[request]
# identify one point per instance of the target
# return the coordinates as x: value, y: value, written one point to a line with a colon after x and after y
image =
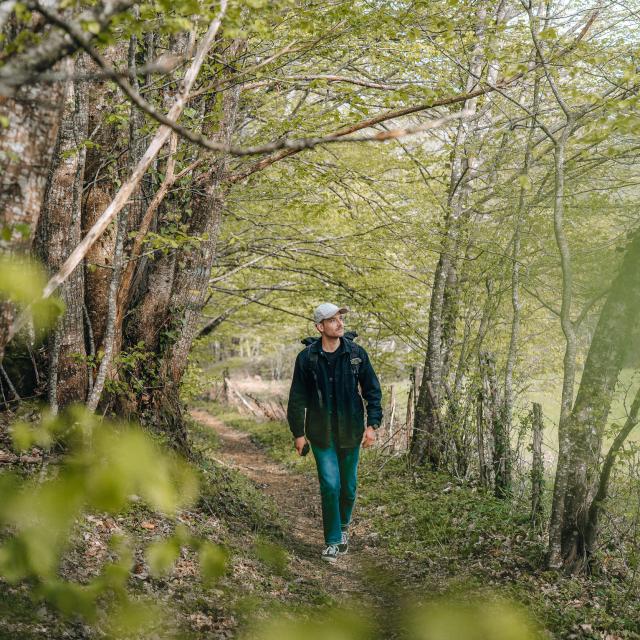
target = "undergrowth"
x: 260, y: 579
x: 451, y: 539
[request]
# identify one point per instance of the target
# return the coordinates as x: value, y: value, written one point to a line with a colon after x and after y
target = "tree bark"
x: 569, y: 362
x: 597, y: 504
x: 537, y: 466
x: 428, y: 444
x: 512, y: 353
x: 189, y: 291
x: 59, y: 231
x: 616, y: 328
x: 22, y: 68
x: 501, y: 449
x: 27, y: 145
x: 112, y: 334
x: 125, y: 191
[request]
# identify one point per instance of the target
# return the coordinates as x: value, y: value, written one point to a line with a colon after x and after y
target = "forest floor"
x: 296, y: 497
x: 431, y: 557
x: 419, y: 538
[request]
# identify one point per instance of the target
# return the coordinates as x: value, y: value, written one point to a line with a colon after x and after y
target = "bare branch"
x: 120, y: 200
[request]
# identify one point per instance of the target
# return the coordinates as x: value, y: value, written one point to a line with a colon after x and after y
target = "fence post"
x: 537, y: 466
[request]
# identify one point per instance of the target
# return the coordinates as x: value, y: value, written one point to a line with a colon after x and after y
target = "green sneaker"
x: 343, y: 546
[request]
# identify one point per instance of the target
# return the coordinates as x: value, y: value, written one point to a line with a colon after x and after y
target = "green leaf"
x: 161, y: 555
x: 213, y: 562
x: 92, y: 26
x: 21, y: 280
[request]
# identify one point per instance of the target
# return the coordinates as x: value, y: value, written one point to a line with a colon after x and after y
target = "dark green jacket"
x: 356, y: 380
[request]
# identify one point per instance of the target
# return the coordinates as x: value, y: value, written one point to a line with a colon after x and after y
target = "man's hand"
x: 298, y: 443
x: 369, y: 437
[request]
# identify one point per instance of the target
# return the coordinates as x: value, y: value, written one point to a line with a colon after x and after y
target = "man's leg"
x: 348, y: 463
x: 329, y: 477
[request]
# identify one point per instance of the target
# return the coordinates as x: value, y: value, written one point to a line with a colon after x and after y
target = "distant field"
x: 546, y: 391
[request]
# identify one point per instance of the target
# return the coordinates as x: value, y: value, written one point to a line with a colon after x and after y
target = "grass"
x: 431, y: 537
x: 450, y: 539
x: 274, y: 437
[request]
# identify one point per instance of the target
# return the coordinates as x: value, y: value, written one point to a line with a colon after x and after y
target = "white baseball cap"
x: 327, y: 310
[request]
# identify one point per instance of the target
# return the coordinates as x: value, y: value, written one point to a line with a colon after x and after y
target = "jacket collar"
x: 345, y: 342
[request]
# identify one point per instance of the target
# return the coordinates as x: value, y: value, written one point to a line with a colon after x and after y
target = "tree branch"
x: 122, y: 196
x: 56, y: 46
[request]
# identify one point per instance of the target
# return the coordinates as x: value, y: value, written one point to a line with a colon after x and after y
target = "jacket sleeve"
x: 371, y: 392
x: 298, y: 399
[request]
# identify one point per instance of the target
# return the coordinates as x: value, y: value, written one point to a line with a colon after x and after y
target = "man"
x: 331, y: 377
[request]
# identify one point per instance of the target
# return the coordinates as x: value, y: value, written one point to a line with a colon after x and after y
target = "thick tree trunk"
x: 597, y: 504
x: 569, y: 362
x: 177, y: 322
x: 191, y: 283
x: 27, y: 143
x: 101, y: 176
x: 616, y: 328
x: 113, y: 329
x: 58, y: 233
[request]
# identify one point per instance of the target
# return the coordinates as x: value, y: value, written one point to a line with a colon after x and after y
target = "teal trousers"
x: 338, y: 476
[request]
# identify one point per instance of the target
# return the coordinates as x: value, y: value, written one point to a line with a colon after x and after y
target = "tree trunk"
x: 428, y: 443
x: 190, y: 285
x: 58, y: 233
x: 101, y: 176
x: 113, y: 329
x: 569, y: 362
x: 597, y: 504
x: 616, y: 328
x: 31, y: 121
x: 512, y: 353
x: 537, y: 466
x: 501, y: 450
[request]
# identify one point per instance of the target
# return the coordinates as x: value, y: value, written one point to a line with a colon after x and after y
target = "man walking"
x: 331, y: 377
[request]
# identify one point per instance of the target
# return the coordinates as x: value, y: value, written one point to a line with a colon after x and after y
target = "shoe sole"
x: 327, y: 559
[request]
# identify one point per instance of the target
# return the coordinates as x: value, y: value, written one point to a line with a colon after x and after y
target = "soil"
x: 297, y: 497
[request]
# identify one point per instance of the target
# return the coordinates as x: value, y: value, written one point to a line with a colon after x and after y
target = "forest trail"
x: 297, y: 497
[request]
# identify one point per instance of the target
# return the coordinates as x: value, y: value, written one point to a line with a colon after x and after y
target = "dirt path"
x: 298, y: 499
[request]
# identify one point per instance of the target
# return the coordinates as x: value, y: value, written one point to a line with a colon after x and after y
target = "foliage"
x: 105, y: 466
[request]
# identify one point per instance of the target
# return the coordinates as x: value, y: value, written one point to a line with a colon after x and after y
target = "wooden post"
x: 482, y: 463
x: 537, y: 466
x: 411, y: 405
x: 392, y: 414
x: 225, y: 386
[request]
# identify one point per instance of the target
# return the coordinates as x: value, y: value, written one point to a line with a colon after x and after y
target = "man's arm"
x: 297, y: 399
x: 371, y: 392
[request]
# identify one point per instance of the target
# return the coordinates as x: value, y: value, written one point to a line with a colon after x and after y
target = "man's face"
x: 332, y: 327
